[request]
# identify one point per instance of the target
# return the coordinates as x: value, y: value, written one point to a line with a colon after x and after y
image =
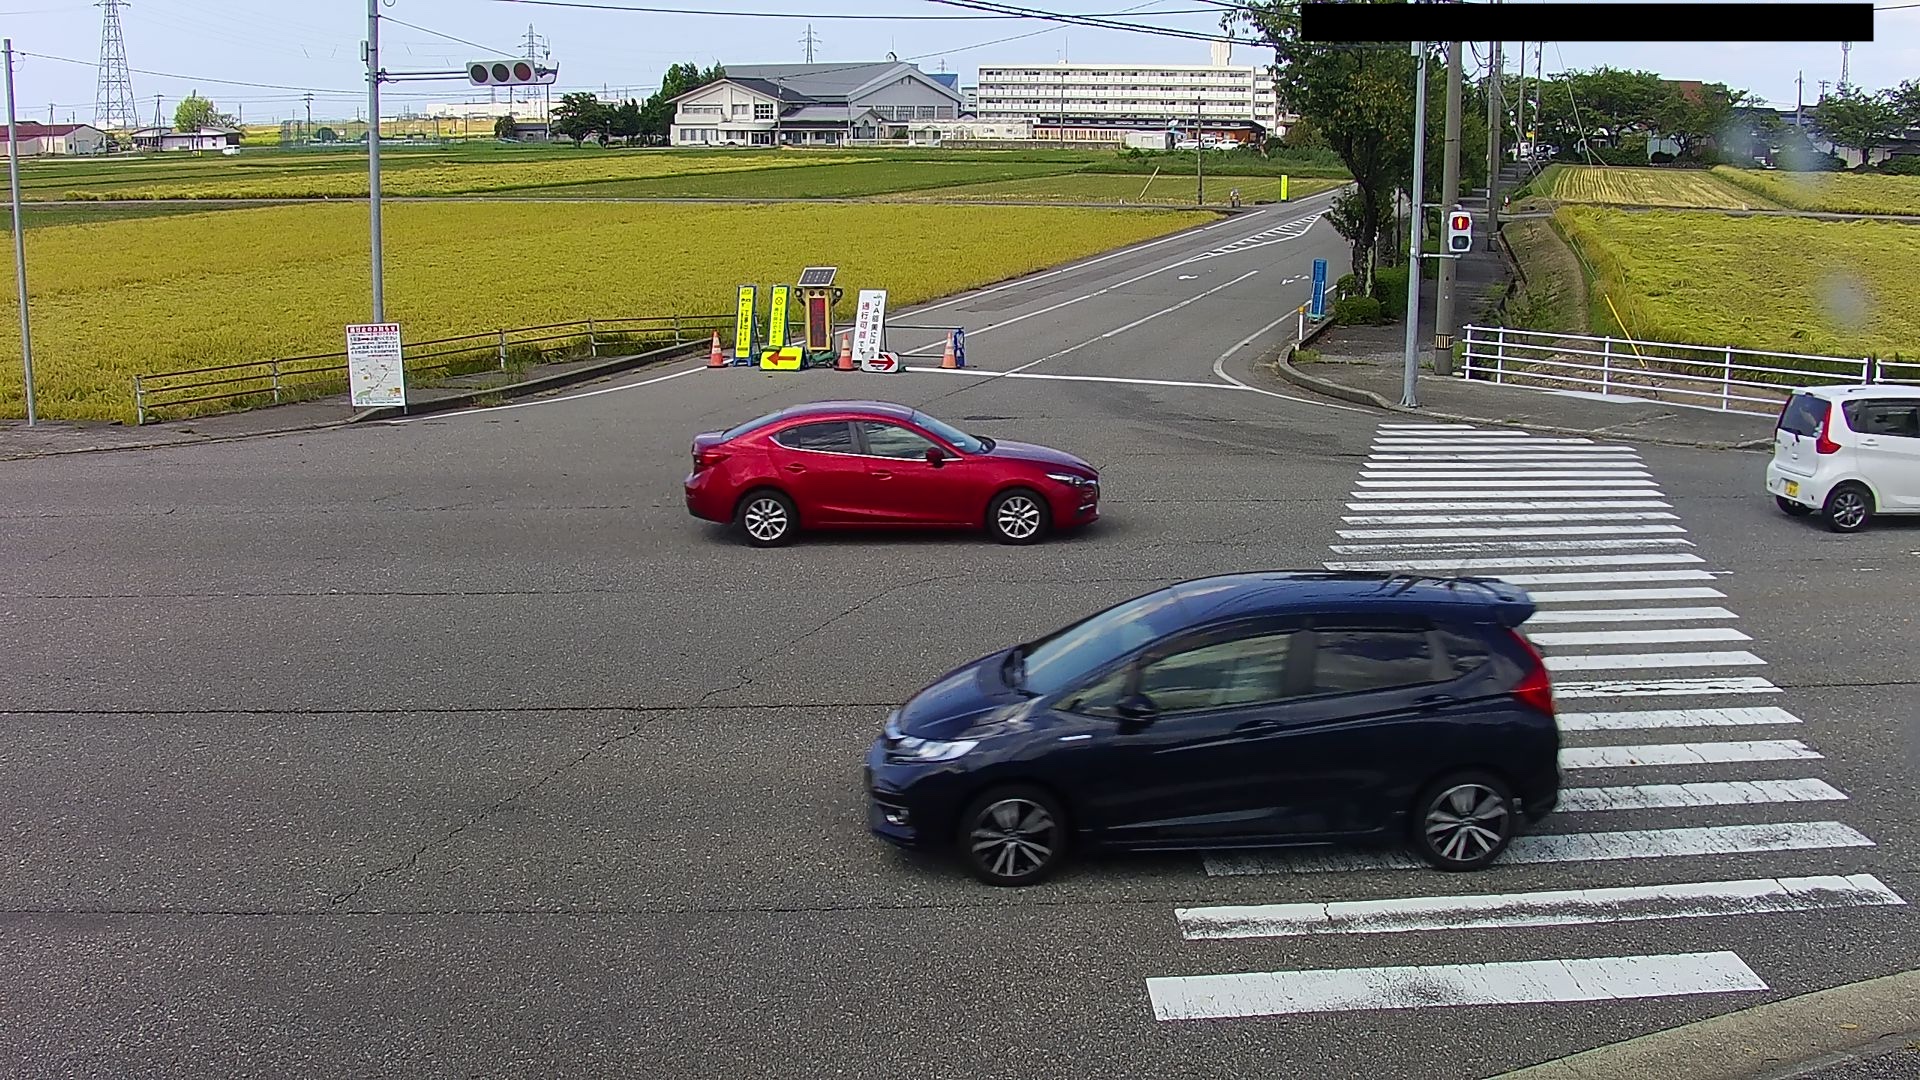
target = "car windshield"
x: 960, y: 440
x: 1060, y: 660
x: 1803, y: 415
x: 751, y: 425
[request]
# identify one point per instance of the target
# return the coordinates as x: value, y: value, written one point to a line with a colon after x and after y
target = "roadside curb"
x: 1284, y: 367
x: 1767, y: 1042
x: 529, y: 387
x: 180, y: 443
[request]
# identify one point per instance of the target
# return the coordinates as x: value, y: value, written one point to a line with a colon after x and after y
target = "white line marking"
x: 1663, y: 687
x: 1654, y: 661
x: 1385, y: 473
x: 1441, y: 442
x: 989, y: 374
x: 1517, y: 982
x: 1674, y: 718
x: 1697, y: 753
x: 1620, y: 615
x: 1460, y: 566
x: 1572, y: 596
x: 1428, y: 427
x: 1220, y: 371
x: 1571, y: 907
x: 1580, y: 502
x: 1562, y: 847
x: 543, y: 401
x: 1436, y: 546
x: 1555, y: 494
x: 1610, y: 576
x: 1533, y: 530
x: 1468, y: 519
x: 1118, y: 330
x: 1546, y: 456
x: 1676, y: 796
x: 1653, y: 636
x: 1631, y: 487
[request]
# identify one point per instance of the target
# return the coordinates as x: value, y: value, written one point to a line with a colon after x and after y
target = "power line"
x: 448, y: 37
x: 590, y: 5
x: 1096, y: 21
x: 186, y: 78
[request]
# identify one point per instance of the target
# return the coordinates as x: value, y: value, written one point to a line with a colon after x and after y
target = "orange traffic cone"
x: 716, y: 358
x: 846, y: 353
x: 947, y: 359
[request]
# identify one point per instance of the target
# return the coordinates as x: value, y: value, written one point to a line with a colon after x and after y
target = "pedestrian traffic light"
x: 1459, y: 232
x: 511, y: 73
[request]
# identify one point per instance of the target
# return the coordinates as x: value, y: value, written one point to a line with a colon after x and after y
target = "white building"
x: 1101, y: 102
x: 56, y: 140
x: 810, y: 105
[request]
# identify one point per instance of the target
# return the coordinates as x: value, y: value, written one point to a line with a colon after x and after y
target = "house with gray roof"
x: 811, y: 105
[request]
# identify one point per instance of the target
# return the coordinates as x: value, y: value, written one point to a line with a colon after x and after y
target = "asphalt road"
x: 454, y: 747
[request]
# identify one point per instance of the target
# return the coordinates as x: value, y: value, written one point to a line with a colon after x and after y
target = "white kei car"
x: 1848, y: 453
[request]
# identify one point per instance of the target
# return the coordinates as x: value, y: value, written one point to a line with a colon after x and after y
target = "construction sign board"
x: 869, y: 331
x: 777, y: 317
x: 743, y: 326
x: 785, y: 358
x: 374, y: 371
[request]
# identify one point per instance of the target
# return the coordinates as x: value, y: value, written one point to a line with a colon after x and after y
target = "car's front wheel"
x: 1013, y: 836
x: 1018, y: 517
x: 1790, y: 508
x: 1464, y: 821
x: 767, y: 518
x: 1849, y: 507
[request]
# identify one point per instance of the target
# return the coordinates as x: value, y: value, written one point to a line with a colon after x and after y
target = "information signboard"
x: 375, y: 374
x: 743, y: 326
x: 1318, y: 310
x: 869, y: 327
x: 777, y: 317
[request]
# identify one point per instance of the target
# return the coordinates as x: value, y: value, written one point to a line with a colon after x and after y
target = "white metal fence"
x: 1723, y: 378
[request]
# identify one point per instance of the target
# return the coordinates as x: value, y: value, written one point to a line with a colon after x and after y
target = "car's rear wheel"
x: 767, y: 518
x: 1849, y: 507
x: 1464, y: 821
x: 1018, y: 517
x: 1790, y: 508
x: 1013, y: 836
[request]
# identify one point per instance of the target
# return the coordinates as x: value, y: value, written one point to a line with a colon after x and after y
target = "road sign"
x: 1319, y: 308
x: 777, y: 316
x: 1459, y: 232
x: 959, y: 346
x: 869, y: 328
x: 374, y: 371
x: 885, y: 362
x: 743, y: 325
x: 510, y: 73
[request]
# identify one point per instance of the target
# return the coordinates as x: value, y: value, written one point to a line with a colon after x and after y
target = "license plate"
x: 1793, y: 489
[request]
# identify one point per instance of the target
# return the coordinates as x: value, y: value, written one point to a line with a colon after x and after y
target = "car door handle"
x: 1869, y: 441
x: 1257, y: 727
x: 882, y: 474
x: 1434, y: 701
x: 796, y: 467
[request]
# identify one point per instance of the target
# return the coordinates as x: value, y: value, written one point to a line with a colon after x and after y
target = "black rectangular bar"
x: 1336, y: 22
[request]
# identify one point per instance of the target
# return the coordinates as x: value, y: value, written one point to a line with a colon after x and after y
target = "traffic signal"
x: 1459, y: 232
x: 510, y: 73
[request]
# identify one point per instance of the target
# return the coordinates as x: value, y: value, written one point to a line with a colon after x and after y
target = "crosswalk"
x: 1663, y: 717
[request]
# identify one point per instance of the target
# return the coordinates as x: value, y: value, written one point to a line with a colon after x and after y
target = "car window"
x: 1222, y: 675
x: 1358, y: 661
x: 894, y: 441
x: 833, y: 437
x: 964, y: 442
x: 1899, y: 418
x: 1803, y: 415
x: 752, y: 425
x: 1465, y: 653
x: 1064, y: 657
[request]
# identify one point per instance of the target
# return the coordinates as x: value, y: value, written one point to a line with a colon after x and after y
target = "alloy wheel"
x: 1019, y: 517
x: 1849, y: 509
x: 1012, y: 838
x: 765, y: 519
x: 1466, y: 822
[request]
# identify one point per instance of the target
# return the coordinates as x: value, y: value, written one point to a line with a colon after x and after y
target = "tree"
x: 657, y: 114
x: 1857, y: 120
x: 503, y: 128
x: 578, y: 116
x: 1906, y: 102
x: 1695, y: 115
x: 194, y: 113
x: 625, y: 121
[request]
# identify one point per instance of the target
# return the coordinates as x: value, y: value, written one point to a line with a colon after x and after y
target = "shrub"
x: 1357, y: 311
x: 1390, y: 289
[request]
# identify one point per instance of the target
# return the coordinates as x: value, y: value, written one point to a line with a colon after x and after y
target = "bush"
x: 1901, y: 166
x: 1661, y: 157
x: 1390, y: 289
x: 1345, y: 287
x: 1357, y: 311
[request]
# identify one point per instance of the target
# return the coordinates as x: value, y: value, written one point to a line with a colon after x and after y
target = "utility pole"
x: 373, y: 156
x: 1799, y: 96
x: 1199, y: 159
x: 1443, y: 300
x: 19, y: 235
x: 1496, y: 118
x: 309, y: 100
x: 1408, y: 395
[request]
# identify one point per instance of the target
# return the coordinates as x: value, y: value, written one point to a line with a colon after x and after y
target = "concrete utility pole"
x: 1199, y: 160
x: 1408, y: 395
x: 1496, y: 118
x: 19, y: 236
x: 373, y: 155
x: 1444, y: 300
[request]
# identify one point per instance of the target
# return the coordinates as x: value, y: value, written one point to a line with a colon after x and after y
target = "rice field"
x: 115, y: 298
x: 1844, y: 193
x: 1612, y: 185
x: 1166, y: 189
x: 1838, y: 288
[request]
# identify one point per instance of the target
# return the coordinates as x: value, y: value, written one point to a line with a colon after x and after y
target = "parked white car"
x: 1848, y: 453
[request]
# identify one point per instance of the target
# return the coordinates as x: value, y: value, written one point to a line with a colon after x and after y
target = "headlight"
x: 1070, y: 479
x: 912, y: 749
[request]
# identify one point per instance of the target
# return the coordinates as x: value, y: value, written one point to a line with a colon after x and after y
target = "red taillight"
x: 1536, y: 688
x: 704, y: 459
x: 1823, y: 444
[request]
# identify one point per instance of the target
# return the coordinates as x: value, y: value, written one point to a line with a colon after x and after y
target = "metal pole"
x: 1408, y: 397
x: 373, y: 156
x: 19, y: 237
x: 1496, y: 118
x: 1444, y: 301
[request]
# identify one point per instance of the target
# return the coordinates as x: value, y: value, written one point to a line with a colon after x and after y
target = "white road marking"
x: 1385, y: 473
x: 1654, y: 636
x: 1220, y: 371
x: 1663, y: 687
x: 1643, y: 719
x: 1398, y: 442
x: 542, y: 401
x: 1608, y: 576
x: 1570, y: 907
x: 1652, y: 661
x: 1562, y: 847
x: 1597, y: 455
x: 1467, y: 519
x: 1533, y: 530
x: 1428, y: 427
x: 1461, y: 566
x: 1518, y: 982
x: 1118, y: 330
x: 1574, y: 596
x: 1676, y: 796
x: 1631, y: 487
x: 1619, y: 615
x: 1555, y: 494
x: 1437, y: 546
x: 1581, y: 501
x: 989, y: 374
x: 1697, y: 753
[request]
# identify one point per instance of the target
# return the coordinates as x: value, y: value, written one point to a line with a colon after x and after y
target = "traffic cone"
x: 947, y: 359
x: 846, y: 353
x: 716, y: 358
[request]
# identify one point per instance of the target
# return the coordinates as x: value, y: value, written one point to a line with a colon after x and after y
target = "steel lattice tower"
x: 113, y: 108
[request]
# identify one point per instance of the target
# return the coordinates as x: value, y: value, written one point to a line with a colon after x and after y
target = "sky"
x: 285, y: 48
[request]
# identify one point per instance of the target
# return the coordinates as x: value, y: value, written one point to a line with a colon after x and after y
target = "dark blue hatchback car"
x: 1239, y: 711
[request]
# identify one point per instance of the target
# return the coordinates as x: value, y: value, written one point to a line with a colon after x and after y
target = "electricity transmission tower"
x: 113, y: 108
x: 810, y: 40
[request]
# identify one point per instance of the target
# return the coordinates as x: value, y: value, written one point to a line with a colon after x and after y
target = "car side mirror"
x: 1137, y: 707
x: 934, y: 457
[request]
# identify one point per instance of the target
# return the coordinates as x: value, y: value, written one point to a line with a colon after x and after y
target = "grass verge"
x: 1677, y: 188
x: 1167, y: 189
x: 1841, y: 193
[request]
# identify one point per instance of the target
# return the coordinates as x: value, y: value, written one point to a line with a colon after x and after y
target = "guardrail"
x: 1723, y: 378
x: 294, y: 378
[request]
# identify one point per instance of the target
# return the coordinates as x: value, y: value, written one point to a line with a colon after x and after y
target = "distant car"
x: 1848, y: 453
x: 1230, y: 712
x: 874, y: 464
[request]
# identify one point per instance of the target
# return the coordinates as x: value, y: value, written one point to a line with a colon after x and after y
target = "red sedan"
x: 866, y: 464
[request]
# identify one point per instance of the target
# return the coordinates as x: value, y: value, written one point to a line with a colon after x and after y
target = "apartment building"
x: 1102, y: 102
